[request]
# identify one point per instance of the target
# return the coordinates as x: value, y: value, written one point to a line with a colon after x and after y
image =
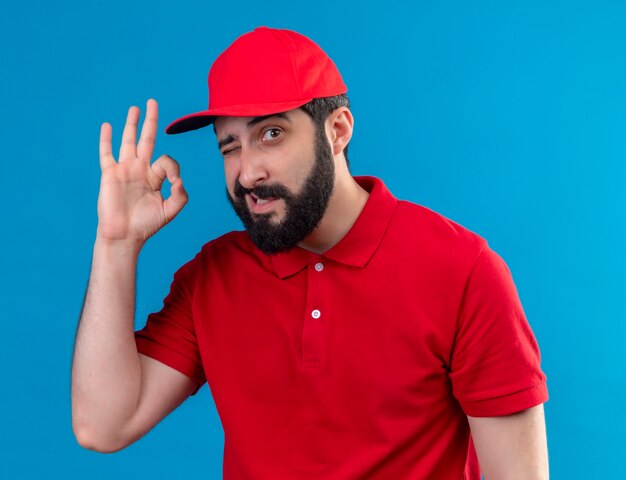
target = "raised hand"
x: 130, y: 205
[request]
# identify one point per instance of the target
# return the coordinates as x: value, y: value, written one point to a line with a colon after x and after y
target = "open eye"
x: 271, y: 134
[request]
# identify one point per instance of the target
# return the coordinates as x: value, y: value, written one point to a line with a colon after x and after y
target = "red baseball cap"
x: 263, y: 72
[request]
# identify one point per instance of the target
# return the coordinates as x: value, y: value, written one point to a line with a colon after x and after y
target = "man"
x: 344, y: 335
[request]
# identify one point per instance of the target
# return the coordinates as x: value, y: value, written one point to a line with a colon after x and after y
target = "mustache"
x: 262, y: 191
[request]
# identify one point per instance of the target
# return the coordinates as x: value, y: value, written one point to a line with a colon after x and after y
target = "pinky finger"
x: 106, y: 152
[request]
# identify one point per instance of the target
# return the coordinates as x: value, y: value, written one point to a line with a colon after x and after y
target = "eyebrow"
x: 256, y: 120
x: 229, y: 138
x: 225, y: 141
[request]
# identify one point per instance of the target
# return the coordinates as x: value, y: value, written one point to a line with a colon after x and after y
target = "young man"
x: 345, y: 334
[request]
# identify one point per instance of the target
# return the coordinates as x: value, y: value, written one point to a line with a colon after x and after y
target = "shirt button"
x: 319, y: 267
x: 316, y: 314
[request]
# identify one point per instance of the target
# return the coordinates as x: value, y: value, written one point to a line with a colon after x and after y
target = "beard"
x: 303, y: 211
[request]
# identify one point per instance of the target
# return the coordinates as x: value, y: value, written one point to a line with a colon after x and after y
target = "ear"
x: 339, y: 125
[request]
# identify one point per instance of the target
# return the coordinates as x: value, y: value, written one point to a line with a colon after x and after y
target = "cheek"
x: 297, y: 168
x: 230, y: 176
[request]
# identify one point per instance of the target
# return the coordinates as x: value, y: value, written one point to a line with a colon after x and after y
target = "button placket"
x: 314, y: 319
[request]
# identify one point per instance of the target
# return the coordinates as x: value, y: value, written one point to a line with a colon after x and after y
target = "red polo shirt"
x: 359, y: 363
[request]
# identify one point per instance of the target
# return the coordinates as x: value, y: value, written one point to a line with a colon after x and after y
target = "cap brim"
x: 197, y: 120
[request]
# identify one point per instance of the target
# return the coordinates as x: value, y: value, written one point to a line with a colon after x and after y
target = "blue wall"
x: 509, y: 119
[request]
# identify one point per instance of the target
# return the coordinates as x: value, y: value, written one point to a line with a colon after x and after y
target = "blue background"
x: 507, y: 117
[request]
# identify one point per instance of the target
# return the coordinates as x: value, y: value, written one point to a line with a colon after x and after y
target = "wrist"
x: 118, y: 247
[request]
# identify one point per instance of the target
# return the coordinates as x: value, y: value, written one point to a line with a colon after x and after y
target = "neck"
x: 344, y: 207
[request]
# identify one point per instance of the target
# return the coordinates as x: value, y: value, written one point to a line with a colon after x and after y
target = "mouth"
x: 260, y: 205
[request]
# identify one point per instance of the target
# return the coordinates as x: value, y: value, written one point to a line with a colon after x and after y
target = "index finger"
x: 145, y: 146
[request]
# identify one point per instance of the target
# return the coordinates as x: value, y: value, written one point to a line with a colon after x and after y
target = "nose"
x: 251, y: 171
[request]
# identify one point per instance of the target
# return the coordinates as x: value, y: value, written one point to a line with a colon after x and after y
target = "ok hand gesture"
x: 130, y: 205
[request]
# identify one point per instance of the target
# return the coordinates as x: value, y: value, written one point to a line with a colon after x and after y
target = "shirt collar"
x: 361, y: 241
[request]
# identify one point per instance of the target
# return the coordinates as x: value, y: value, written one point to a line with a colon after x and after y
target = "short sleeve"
x: 169, y: 335
x: 495, y: 365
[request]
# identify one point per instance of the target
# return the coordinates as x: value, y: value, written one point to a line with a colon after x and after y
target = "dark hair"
x: 320, y: 108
